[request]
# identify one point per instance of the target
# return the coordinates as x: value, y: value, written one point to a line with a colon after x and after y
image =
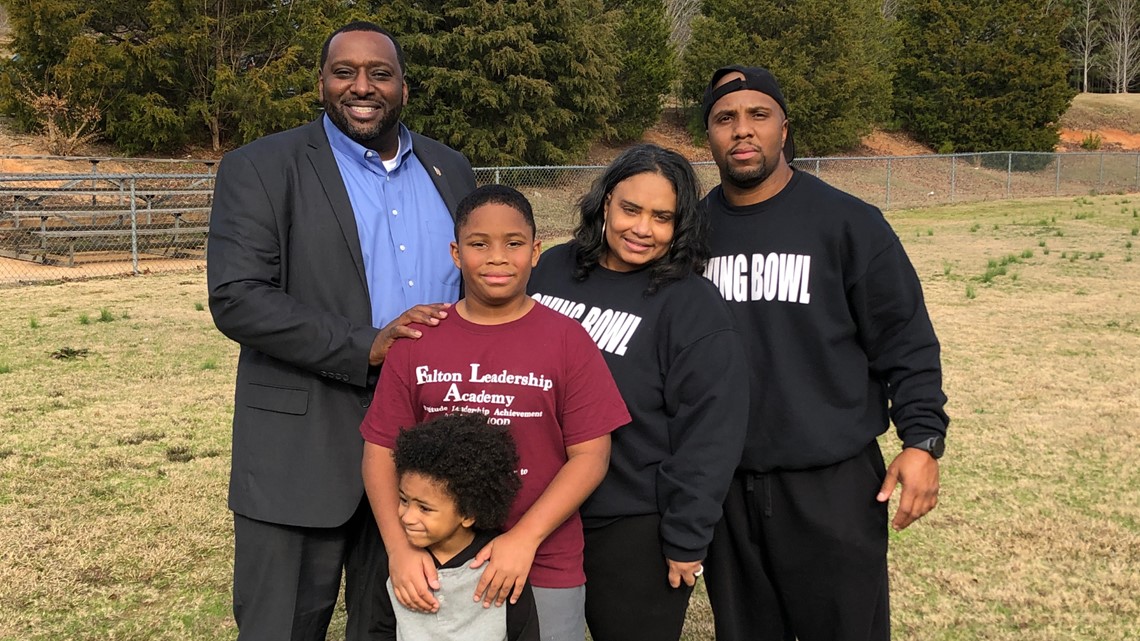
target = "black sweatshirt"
x: 680, y: 367
x: 833, y: 319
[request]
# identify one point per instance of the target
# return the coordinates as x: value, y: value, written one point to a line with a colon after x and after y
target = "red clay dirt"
x: 1111, y: 140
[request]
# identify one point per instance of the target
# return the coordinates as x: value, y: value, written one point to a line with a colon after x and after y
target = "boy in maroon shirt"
x: 523, y: 366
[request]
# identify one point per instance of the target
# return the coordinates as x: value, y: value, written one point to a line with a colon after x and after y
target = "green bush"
x: 1020, y: 162
x: 648, y: 65
x: 1092, y: 141
x: 508, y: 83
x: 831, y: 57
x: 982, y: 75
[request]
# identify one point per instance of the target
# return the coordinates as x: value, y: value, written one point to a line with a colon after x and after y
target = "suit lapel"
x: 328, y: 173
x: 422, y: 149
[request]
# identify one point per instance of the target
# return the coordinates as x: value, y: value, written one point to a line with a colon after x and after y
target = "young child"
x: 525, y: 367
x: 457, y: 481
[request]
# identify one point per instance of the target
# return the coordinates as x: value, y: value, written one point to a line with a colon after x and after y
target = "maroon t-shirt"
x: 540, y: 375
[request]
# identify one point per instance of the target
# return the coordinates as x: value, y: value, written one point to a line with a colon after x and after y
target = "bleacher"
x: 63, y: 218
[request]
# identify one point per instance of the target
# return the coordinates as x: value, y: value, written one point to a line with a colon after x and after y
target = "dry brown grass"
x: 1094, y: 111
x: 107, y: 531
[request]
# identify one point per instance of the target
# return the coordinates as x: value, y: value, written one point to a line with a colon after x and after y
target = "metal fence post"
x: 953, y: 176
x: 134, y: 231
x: 94, y: 170
x: 1100, y: 174
x: 888, y: 205
x: 1057, y: 180
x: 498, y: 181
x: 817, y: 167
x: 1009, y: 174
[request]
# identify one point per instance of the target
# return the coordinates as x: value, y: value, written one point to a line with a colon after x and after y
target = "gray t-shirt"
x: 459, y: 618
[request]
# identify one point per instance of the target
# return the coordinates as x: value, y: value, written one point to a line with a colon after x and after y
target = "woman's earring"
x: 605, y: 212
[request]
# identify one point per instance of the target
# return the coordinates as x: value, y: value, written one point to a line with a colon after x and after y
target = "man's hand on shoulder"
x: 422, y: 314
x: 917, y: 470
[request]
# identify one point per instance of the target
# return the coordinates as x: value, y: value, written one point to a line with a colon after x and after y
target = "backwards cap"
x: 755, y: 79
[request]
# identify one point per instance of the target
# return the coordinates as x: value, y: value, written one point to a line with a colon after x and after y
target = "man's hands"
x: 510, y: 555
x: 686, y: 571
x: 422, y: 314
x: 917, y: 470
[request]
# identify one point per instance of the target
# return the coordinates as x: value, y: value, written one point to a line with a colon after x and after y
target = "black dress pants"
x: 287, y: 578
x: 803, y: 555
x: 628, y: 596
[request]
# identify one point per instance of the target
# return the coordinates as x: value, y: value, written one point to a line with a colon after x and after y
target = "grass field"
x: 115, y: 398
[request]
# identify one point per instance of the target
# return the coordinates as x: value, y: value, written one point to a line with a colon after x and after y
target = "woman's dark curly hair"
x: 473, y: 461
x: 689, y: 250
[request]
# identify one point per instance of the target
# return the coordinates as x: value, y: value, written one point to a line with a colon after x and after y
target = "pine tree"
x: 982, y: 75
x: 647, y: 62
x: 42, y: 32
x: 831, y: 57
x: 508, y: 82
x: 168, y: 72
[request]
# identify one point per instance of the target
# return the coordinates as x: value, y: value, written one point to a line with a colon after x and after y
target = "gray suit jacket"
x: 286, y: 281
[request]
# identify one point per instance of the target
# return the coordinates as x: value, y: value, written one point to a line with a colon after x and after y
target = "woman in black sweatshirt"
x: 632, y: 276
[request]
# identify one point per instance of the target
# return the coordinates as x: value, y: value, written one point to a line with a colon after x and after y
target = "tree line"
x: 1104, y: 40
x: 537, y: 81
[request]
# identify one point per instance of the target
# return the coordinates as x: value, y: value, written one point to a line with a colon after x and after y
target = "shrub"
x: 1092, y: 141
x: 985, y: 75
x: 831, y: 57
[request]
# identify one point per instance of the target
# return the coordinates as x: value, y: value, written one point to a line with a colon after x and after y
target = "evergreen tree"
x: 647, y: 62
x: 982, y: 75
x: 168, y: 72
x: 507, y: 82
x: 42, y: 32
x: 831, y: 57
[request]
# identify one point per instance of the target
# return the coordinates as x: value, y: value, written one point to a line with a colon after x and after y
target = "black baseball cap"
x: 755, y: 79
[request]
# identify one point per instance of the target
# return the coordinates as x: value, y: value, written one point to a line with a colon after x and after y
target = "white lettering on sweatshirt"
x: 609, y: 328
x: 780, y: 277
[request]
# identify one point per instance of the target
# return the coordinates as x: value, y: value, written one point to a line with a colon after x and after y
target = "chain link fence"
x: 73, y: 218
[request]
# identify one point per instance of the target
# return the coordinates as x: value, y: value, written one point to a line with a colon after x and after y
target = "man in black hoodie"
x: 840, y: 344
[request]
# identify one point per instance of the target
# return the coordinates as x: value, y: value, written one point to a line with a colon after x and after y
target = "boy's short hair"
x: 500, y: 195
x: 474, y: 462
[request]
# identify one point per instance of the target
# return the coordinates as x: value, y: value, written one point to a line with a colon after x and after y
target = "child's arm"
x: 512, y: 553
x: 410, y: 568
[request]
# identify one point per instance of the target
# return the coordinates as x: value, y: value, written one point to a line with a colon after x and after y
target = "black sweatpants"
x: 287, y: 578
x: 803, y: 555
x: 628, y: 595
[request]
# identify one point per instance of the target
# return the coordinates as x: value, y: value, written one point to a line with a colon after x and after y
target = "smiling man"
x: 320, y: 238
x: 840, y: 344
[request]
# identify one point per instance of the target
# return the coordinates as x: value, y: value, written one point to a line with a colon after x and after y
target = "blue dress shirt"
x: 404, y: 226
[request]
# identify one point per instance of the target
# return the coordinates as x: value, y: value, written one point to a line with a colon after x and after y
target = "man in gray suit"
x: 319, y: 236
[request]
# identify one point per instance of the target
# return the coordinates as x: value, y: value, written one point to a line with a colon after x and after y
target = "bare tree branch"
x: 1087, y: 35
x: 681, y: 13
x: 1122, y: 43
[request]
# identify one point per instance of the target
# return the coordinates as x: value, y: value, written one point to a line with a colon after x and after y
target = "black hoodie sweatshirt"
x: 833, y: 319
x: 680, y: 367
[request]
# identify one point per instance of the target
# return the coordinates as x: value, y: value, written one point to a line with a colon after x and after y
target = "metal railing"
x: 125, y: 216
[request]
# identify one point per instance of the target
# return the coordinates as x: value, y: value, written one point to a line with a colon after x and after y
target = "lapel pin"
x: 437, y: 171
